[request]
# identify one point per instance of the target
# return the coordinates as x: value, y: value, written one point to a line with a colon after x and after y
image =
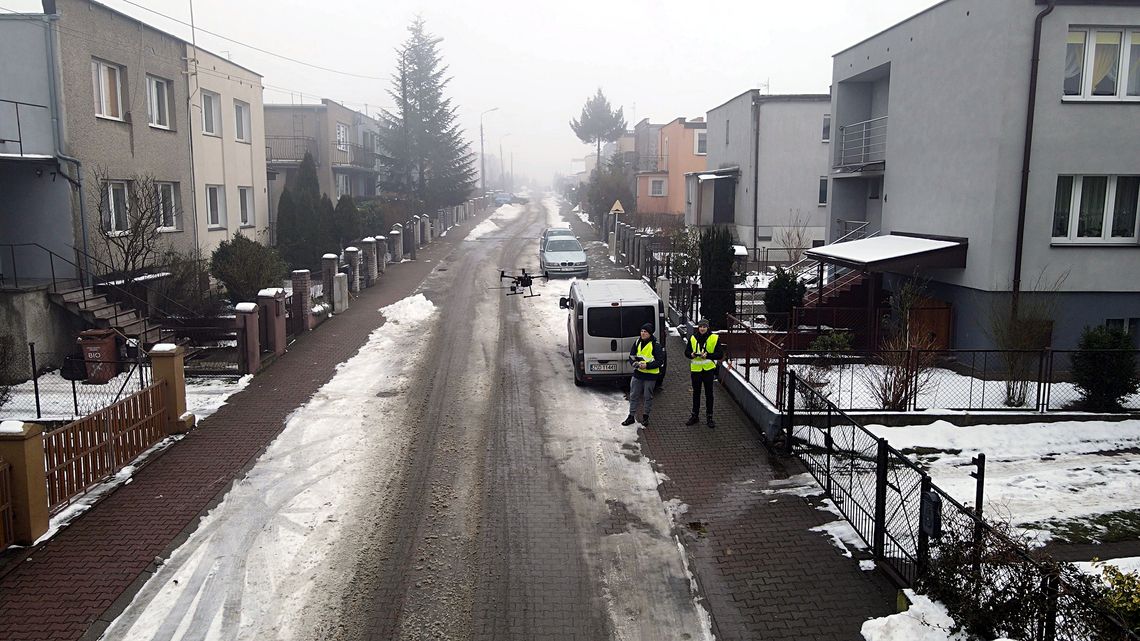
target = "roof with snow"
x: 899, y: 252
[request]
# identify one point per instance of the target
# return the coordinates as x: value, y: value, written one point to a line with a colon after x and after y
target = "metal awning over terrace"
x: 899, y: 253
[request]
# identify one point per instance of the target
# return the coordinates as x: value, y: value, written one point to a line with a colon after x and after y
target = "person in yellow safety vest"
x: 646, y: 356
x: 703, y: 349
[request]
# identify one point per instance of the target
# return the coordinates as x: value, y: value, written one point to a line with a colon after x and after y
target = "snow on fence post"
x: 302, y: 301
x: 167, y: 363
x: 381, y: 255
x: 370, y: 267
x: 249, y: 344
x: 328, y: 271
x: 352, y: 257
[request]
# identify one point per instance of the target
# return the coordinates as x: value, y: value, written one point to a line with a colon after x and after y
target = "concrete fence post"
x: 167, y: 363
x: 22, y: 446
x: 381, y: 254
x: 370, y: 265
x: 328, y: 270
x: 396, y: 243
x: 302, y: 300
x: 249, y: 345
x: 352, y: 257
x: 271, y: 309
x: 340, y: 293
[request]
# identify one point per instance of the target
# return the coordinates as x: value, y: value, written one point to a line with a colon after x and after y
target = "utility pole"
x: 482, y: 159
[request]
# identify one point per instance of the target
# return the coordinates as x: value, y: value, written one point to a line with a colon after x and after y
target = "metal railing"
x: 922, y: 536
x: 352, y: 154
x: 17, y: 137
x: 762, y: 360
x: 863, y: 143
x: 290, y: 149
x: 653, y: 164
x: 49, y: 385
x: 84, y: 453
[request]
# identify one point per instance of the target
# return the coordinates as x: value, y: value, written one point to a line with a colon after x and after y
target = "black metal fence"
x: 38, y: 385
x: 921, y: 536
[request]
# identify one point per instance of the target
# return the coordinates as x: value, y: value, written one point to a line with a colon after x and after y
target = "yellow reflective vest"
x: 646, y: 353
x: 702, y: 364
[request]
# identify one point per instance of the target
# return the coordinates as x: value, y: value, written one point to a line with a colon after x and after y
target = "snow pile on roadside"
x: 270, y: 544
x: 926, y: 620
x: 492, y: 224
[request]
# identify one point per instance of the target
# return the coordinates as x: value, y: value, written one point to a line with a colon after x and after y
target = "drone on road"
x: 521, y: 283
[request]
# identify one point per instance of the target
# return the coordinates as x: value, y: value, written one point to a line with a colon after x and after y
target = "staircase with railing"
x: 98, y: 301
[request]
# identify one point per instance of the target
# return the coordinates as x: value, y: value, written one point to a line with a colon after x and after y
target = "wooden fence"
x: 84, y: 453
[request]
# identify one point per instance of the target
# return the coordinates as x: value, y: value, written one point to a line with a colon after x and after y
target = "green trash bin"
x: 100, y: 354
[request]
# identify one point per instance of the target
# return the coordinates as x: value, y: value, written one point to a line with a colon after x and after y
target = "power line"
x: 248, y: 46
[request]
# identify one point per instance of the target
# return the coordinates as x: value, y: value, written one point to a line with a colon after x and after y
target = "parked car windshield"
x: 563, y: 245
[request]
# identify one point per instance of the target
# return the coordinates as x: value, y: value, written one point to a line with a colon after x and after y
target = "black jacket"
x: 657, y: 362
x: 715, y: 355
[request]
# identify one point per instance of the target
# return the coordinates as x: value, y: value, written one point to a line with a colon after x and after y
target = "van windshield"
x: 619, y: 322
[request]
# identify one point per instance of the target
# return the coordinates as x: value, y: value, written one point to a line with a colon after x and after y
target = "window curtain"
x: 1074, y: 63
x: 1134, y: 65
x: 1090, y: 221
x: 1106, y: 59
x: 1124, y: 211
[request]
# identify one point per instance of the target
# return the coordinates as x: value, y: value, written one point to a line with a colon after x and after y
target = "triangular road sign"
x: 617, y: 209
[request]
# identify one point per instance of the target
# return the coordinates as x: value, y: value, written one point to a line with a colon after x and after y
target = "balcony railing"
x: 290, y: 148
x: 25, y: 129
x: 653, y: 164
x: 353, y: 154
x: 863, y: 143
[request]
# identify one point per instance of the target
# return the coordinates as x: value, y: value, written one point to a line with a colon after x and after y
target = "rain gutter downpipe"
x: 756, y: 174
x: 1030, y: 109
x: 53, y: 84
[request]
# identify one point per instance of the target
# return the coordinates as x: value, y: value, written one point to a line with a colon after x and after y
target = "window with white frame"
x: 216, y: 206
x: 1097, y: 209
x: 158, y: 102
x: 167, y: 213
x: 343, y: 185
x: 106, y: 82
x: 245, y: 199
x: 657, y: 187
x: 701, y: 143
x: 241, y: 121
x: 826, y: 127
x: 1130, y: 326
x: 1102, y: 64
x: 822, y: 190
x: 116, y: 208
x: 211, y: 113
x: 342, y: 136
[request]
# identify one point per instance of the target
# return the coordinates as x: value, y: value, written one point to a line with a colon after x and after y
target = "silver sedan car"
x: 562, y: 256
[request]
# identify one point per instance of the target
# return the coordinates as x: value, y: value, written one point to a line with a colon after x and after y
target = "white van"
x: 605, y: 321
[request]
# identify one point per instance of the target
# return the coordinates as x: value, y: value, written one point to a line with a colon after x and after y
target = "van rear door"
x: 610, y: 333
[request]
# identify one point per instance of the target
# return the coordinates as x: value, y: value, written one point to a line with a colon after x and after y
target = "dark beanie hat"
x: 648, y: 327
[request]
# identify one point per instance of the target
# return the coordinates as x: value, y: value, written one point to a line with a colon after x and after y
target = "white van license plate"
x: 603, y: 367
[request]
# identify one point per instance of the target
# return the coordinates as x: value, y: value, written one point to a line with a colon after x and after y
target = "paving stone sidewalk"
x: 764, y: 574
x: 73, y: 586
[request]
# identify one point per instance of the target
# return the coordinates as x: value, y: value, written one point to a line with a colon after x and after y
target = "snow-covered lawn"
x: 1039, y: 473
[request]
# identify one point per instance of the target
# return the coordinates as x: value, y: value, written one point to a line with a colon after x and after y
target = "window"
x: 241, y: 121
x: 116, y: 210
x: 701, y: 143
x: 1131, y: 327
x: 245, y: 200
x: 341, y: 136
x: 726, y: 124
x: 108, y: 89
x: 689, y: 190
x: 158, y: 102
x: 167, y: 213
x: 343, y: 185
x: 1102, y: 64
x: 826, y: 127
x: 822, y: 190
x: 619, y: 322
x: 657, y: 187
x: 211, y: 114
x: 1105, y: 208
x: 216, y: 205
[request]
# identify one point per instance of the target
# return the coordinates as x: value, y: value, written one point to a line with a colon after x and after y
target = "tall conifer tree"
x: 429, y: 159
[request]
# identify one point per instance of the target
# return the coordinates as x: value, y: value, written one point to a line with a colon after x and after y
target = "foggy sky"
x: 538, y: 61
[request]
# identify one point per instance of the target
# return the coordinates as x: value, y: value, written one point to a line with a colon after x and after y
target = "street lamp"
x: 502, y: 171
x: 482, y: 162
